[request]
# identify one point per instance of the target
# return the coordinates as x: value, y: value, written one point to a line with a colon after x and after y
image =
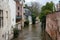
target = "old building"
x: 53, y: 25
x: 7, y: 19
x: 18, y: 10
x: 19, y: 13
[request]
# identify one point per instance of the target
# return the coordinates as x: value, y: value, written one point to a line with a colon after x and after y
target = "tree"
x: 46, y: 9
x: 35, y: 10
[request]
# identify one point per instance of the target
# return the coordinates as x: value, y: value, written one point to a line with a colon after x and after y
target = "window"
x: 18, y: 7
x: 6, y: 14
x: 18, y: 13
x: 1, y: 18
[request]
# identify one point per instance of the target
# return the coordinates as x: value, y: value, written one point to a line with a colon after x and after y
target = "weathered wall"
x: 53, y: 25
x: 9, y: 10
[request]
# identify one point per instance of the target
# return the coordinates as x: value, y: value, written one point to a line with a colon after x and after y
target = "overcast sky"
x: 42, y: 1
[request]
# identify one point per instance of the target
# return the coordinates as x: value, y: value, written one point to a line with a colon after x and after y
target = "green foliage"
x: 33, y: 18
x: 47, y: 9
x: 16, y: 32
x: 47, y: 12
x: 26, y: 6
x: 26, y: 23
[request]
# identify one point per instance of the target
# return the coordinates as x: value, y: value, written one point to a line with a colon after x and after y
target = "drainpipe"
x: 22, y: 16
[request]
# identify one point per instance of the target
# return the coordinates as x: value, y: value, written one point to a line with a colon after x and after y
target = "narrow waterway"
x: 32, y: 32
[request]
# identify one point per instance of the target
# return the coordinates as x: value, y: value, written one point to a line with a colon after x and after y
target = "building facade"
x: 19, y: 13
x: 18, y: 10
x: 7, y: 19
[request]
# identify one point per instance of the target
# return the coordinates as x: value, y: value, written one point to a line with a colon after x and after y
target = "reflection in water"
x: 30, y: 27
x: 32, y: 32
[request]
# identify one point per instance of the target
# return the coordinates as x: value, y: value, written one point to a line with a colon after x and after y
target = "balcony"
x: 18, y: 17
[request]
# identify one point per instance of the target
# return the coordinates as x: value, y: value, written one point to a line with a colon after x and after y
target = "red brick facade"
x: 53, y: 25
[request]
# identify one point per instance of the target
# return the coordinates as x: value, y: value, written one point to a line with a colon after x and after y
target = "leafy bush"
x: 45, y: 10
x: 26, y: 23
x: 33, y: 18
x: 16, y: 32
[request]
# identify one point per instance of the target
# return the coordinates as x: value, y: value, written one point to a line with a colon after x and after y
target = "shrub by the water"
x: 26, y: 23
x: 16, y: 32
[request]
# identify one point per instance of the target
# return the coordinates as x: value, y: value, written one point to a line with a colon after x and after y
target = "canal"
x: 33, y: 32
